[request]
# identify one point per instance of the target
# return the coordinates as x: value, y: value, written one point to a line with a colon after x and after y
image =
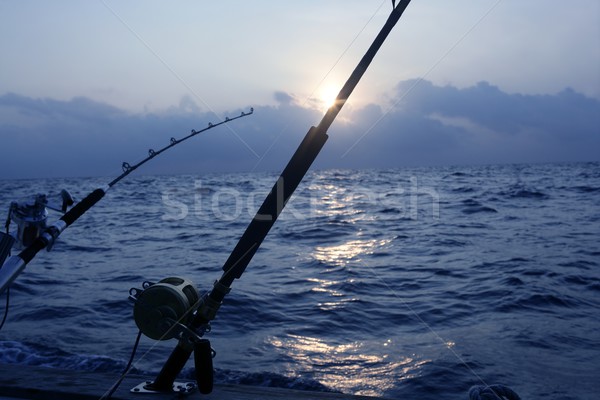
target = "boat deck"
x: 38, y: 383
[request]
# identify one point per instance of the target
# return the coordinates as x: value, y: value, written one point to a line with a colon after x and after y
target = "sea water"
x: 407, y: 283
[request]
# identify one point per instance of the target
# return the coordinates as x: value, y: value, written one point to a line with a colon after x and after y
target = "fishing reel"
x: 31, y: 216
x: 164, y: 310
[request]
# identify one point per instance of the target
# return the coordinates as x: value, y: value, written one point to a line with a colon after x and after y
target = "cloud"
x: 432, y: 125
x: 283, y: 98
x: 426, y: 125
x: 488, y: 106
x: 81, y: 137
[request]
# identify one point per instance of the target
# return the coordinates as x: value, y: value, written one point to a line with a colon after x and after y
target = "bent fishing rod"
x: 189, y: 323
x: 16, y: 264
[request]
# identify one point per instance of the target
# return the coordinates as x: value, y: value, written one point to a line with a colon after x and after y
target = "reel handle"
x: 203, y: 355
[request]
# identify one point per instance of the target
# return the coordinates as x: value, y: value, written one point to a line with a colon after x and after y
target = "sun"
x: 328, y: 95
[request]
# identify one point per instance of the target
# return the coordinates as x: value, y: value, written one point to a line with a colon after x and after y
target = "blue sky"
x: 87, y: 85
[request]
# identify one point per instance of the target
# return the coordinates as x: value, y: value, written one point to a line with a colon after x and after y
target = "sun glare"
x: 328, y: 95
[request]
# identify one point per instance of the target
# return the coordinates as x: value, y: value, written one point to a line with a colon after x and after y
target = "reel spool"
x: 162, y: 310
x: 30, y: 219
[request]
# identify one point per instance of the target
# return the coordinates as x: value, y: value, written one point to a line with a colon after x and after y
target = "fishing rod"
x: 127, y: 168
x: 45, y: 236
x: 172, y: 308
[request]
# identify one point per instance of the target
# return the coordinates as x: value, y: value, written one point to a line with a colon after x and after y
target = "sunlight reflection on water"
x: 340, y: 255
x: 349, y: 365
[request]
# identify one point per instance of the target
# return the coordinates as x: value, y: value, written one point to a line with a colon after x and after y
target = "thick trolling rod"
x: 16, y: 264
x: 259, y: 227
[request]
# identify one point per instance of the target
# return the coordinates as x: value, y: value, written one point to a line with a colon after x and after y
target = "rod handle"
x: 203, y: 355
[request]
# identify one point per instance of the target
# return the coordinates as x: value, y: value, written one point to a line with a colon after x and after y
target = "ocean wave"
x: 16, y: 353
x: 507, y: 272
x: 27, y: 354
x: 540, y: 302
x: 519, y: 192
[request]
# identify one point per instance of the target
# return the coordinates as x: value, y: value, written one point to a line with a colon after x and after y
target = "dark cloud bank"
x: 423, y: 125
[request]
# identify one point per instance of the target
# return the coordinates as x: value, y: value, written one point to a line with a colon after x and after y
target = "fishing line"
x: 116, y: 385
x: 310, y: 96
x: 435, y: 64
x: 458, y: 357
x: 175, y: 74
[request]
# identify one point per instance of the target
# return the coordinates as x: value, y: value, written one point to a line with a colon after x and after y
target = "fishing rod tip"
x: 247, y: 113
